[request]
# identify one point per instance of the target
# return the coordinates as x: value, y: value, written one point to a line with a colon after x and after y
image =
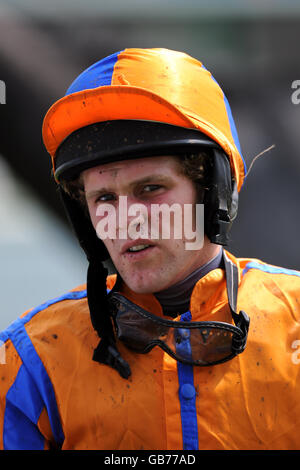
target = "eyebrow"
x: 145, y: 180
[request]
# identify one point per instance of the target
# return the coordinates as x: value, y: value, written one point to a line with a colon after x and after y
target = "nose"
x: 132, y: 218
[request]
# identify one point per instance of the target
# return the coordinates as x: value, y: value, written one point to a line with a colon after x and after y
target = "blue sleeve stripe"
x: 98, y: 74
x: 24, y: 405
x: 187, y: 406
x: 9, y: 331
x: 19, y: 432
x: 39, y: 381
x: 74, y: 295
x: 267, y: 268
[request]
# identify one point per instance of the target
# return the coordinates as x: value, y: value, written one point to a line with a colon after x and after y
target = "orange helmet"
x: 146, y: 84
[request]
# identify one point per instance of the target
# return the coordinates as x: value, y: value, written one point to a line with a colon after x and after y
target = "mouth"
x: 138, y: 249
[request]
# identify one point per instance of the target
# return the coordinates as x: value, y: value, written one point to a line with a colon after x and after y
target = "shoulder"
x: 53, y: 310
x: 270, y: 284
x: 40, y: 350
x: 255, y: 268
x: 43, y: 332
x: 34, y: 343
x: 64, y: 317
x: 67, y: 310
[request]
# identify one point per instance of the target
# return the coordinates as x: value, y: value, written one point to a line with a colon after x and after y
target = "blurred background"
x: 252, y: 49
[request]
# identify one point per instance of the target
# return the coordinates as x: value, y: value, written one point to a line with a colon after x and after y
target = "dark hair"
x: 195, y: 166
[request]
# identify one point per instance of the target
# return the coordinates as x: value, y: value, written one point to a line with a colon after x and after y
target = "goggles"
x: 202, y: 343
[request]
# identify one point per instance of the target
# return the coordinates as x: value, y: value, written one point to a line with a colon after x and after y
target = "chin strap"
x: 106, y: 352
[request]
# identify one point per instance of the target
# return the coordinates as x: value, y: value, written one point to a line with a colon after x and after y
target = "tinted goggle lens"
x: 197, y: 343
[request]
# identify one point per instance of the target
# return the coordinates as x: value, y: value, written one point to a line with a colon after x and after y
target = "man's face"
x: 146, y: 181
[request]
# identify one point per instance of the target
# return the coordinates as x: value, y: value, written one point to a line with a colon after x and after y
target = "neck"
x: 175, y: 300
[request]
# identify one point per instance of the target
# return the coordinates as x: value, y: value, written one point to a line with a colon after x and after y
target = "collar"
x: 177, y: 297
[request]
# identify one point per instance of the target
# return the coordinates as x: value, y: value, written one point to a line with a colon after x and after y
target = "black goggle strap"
x: 240, y: 319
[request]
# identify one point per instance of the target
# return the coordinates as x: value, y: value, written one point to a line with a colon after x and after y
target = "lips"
x: 137, y: 246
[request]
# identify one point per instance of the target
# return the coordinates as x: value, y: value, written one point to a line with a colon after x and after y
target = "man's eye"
x: 105, y: 198
x: 151, y: 187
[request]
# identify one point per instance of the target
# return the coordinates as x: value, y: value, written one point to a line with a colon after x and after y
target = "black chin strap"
x: 106, y: 352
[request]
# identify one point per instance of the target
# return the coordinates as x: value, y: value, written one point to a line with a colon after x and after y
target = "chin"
x: 144, y: 284
x: 141, y: 288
